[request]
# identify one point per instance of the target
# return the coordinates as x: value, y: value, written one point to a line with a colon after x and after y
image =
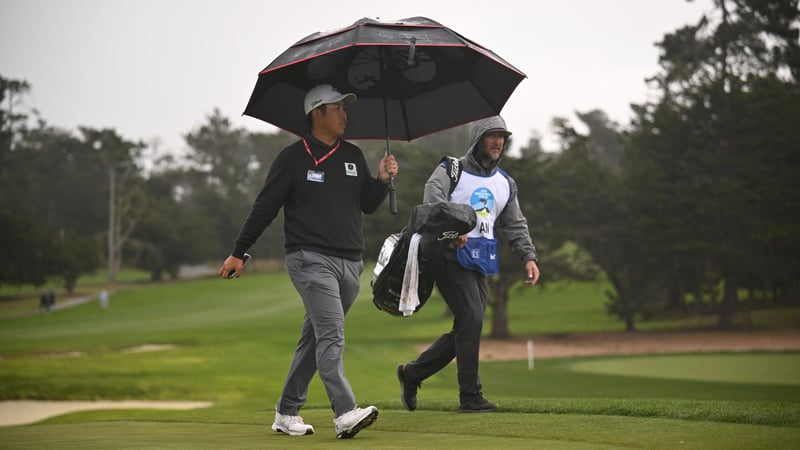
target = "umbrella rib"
x: 404, y: 112
x: 299, y: 61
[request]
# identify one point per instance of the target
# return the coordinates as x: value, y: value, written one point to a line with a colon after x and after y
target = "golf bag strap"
x: 453, y: 167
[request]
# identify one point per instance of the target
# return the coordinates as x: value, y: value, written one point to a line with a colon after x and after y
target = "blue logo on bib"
x: 482, y: 201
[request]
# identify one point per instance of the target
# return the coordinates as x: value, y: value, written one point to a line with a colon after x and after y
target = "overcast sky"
x: 155, y: 69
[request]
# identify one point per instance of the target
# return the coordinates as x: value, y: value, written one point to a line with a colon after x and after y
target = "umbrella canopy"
x: 413, y: 77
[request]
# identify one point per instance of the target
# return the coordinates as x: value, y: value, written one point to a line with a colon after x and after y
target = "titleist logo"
x: 454, y: 168
x: 448, y: 235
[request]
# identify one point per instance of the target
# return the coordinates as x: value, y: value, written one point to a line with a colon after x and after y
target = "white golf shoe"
x: 291, y: 425
x: 351, y: 422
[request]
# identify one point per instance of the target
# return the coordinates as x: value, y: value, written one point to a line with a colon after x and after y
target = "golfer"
x: 323, y: 185
x: 461, y: 275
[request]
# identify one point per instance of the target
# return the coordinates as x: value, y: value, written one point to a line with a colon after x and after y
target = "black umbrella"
x: 412, y: 77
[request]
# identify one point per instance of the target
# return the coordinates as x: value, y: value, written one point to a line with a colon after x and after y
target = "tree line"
x: 692, y: 207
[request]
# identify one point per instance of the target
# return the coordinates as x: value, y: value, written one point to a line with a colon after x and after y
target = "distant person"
x: 323, y: 185
x: 51, y: 300
x: 461, y: 274
x: 103, y: 299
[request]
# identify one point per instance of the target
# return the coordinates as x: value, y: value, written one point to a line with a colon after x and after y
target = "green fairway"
x: 230, y: 342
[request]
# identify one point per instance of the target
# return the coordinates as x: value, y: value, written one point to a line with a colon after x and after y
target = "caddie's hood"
x: 476, y: 131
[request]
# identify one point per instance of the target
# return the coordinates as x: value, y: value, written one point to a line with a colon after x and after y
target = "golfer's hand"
x: 533, y: 272
x: 231, y: 263
x: 461, y: 241
x: 387, y: 168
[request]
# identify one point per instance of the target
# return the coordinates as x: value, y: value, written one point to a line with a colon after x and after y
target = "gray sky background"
x: 155, y: 69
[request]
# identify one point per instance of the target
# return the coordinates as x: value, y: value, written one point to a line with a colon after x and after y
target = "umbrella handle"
x: 392, y: 193
x: 392, y: 196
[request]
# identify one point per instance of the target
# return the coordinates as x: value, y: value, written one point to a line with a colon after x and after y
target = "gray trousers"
x: 328, y: 286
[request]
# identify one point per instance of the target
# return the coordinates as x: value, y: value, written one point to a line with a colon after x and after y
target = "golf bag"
x: 438, y: 224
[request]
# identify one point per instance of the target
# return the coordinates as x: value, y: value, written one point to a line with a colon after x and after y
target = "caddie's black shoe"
x: 478, y: 405
x: 408, y: 388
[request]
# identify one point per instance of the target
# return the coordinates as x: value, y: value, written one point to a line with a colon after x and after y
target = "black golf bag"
x: 439, y: 224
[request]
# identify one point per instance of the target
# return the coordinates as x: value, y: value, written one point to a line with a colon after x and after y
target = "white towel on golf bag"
x: 409, y: 295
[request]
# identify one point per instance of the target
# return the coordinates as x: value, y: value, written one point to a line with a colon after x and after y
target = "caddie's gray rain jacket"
x: 511, y: 226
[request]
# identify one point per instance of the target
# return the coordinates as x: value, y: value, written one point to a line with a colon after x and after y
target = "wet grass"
x: 233, y: 340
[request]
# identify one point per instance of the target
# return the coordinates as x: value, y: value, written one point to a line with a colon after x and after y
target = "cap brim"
x: 492, y: 130
x: 348, y: 98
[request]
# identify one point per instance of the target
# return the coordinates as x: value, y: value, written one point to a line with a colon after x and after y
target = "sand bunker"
x: 622, y: 343
x: 21, y: 412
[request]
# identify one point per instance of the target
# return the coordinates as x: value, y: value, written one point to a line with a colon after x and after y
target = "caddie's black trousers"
x: 466, y: 292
